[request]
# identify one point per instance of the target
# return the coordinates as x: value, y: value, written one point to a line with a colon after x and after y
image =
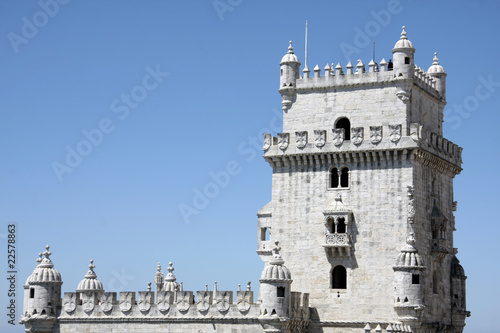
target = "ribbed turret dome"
x: 456, y: 269
x: 170, y: 284
x: 409, y: 256
x: 276, y: 269
x: 289, y: 56
x: 436, y: 67
x: 403, y: 42
x: 45, y: 271
x: 90, y: 283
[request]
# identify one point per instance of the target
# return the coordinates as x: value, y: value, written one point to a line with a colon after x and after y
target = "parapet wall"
x: 377, y: 74
x: 164, y: 304
x: 367, y: 141
x: 172, y: 306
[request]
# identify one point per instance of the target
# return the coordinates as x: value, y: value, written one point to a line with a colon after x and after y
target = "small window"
x: 344, y: 177
x: 339, y: 278
x: 435, y: 282
x: 415, y: 279
x: 334, y: 178
x: 32, y: 293
x: 280, y: 292
x: 281, y: 72
x: 346, y: 125
x: 407, y: 60
x: 264, y: 234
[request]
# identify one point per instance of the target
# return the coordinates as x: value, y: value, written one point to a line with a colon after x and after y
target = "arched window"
x: 280, y: 292
x: 334, y: 178
x: 339, y: 278
x: 344, y: 177
x: 264, y: 234
x: 346, y: 125
x: 330, y: 224
x: 341, y: 225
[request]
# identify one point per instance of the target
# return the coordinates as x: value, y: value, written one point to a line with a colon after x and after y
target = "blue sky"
x: 164, y: 96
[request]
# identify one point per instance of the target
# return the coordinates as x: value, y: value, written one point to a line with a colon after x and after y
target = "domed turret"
x: 438, y: 73
x: 90, y: 283
x: 458, y: 286
x: 275, y: 284
x: 170, y: 284
x: 403, y: 54
x: 42, y: 295
x: 289, y: 74
x: 408, y: 281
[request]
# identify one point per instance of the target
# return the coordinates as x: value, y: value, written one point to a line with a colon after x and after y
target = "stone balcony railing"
x: 338, y: 244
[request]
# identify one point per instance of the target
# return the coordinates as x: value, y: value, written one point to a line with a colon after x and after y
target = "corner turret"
x: 42, y: 296
x: 289, y: 74
x: 275, y: 286
x: 408, y: 300
x: 437, y: 72
x: 403, y: 55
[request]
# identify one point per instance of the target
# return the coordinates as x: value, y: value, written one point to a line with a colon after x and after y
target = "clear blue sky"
x: 212, y: 93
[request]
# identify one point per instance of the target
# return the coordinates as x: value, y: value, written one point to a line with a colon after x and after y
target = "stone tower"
x: 362, y: 196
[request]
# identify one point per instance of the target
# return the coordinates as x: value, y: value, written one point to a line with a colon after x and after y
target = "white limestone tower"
x: 42, y: 296
x: 362, y: 164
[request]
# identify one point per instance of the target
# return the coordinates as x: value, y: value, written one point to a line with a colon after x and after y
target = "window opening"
x: 334, y: 178
x: 339, y: 278
x: 32, y: 293
x: 264, y: 234
x: 330, y: 225
x: 344, y: 177
x: 280, y: 292
x: 415, y: 279
x: 346, y: 125
x: 341, y: 228
x: 435, y: 282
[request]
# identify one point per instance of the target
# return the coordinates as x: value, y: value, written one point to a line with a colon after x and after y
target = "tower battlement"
x: 381, y: 142
x: 378, y: 74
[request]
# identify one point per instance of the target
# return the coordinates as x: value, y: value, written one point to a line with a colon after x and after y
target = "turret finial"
x: 435, y: 61
x: 47, y: 253
x: 276, y: 250
x: 45, y: 262
x: 403, y: 33
x: 149, y: 286
x: 410, y: 240
x: 290, y: 48
x: 170, y: 269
